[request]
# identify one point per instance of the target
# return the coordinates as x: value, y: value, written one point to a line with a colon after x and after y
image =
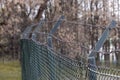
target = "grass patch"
x: 10, y: 70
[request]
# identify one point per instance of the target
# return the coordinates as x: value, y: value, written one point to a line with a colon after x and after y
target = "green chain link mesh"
x: 41, y: 63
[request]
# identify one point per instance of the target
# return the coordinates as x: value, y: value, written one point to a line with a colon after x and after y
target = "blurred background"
x: 87, y: 18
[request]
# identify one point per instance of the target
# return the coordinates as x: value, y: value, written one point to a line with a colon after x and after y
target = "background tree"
x: 84, y: 22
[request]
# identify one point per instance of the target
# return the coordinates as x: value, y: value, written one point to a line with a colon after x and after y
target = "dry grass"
x: 10, y: 70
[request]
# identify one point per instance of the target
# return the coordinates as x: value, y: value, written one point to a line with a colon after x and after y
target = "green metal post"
x: 99, y: 44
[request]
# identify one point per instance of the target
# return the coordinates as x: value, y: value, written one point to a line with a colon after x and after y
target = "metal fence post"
x: 99, y: 44
x: 50, y: 57
x: 40, y: 24
x: 92, y: 68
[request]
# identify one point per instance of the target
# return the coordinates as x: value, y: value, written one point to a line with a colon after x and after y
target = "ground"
x: 10, y: 70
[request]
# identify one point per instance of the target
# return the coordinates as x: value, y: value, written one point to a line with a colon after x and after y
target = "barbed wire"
x: 81, y: 22
x: 79, y: 44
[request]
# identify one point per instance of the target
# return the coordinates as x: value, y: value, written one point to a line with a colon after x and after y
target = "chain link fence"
x: 65, y: 60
